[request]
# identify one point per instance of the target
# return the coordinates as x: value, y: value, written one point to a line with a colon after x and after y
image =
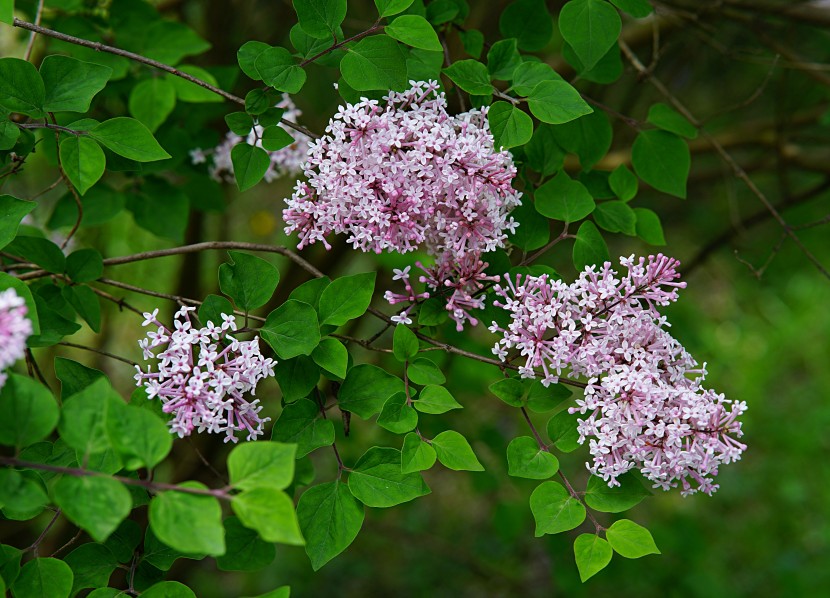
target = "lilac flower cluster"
x: 286, y: 161
x: 403, y: 174
x: 15, y: 328
x: 645, y: 403
x: 203, y: 375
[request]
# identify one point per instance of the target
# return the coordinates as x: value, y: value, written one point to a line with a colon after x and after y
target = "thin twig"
x: 31, y: 43
x: 99, y: 352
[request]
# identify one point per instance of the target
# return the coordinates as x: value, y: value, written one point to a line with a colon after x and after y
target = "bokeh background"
x: 756, y: 310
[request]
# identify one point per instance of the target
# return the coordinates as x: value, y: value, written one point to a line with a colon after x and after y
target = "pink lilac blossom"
x: 403, y: 174
x: 15, y: 328
x: 645, y: 403
x: 286, y: 161
x: 203, y: 375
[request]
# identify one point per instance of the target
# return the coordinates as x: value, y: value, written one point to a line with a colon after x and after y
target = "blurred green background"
x: 756, y: 310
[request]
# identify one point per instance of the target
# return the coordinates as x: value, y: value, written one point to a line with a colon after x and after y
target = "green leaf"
x: 502, y: 59
x: 435, y: 400
x: 12, y: 211
x: 533, y: 231
x: 246, y: 551
x: 84, y: 301
x: 666, y: 118
x: 96, y: 504
x: 589, y: 247
x: 346, y: 298
x: 529, y: 22
x: 557, y: 102
x: 376, y: 62
x: 129, y: 138
x: 85, y: 415
x: 397, y: 416
x: 7, y: 16
x: 416, y: 455
x: 28, y: 412
x: 151, y: 101
x: 139, y: 436
x: 187, y: 91
x: 662, y: 160
x: 530, y: 74
x: 160, y: 555
x: 510, y: 125
x: 240, y: 123
x: 74, y: 377
x: 565, y: 199
x: 189, y: 523
x: 623, y: 183
x: 169, y: 41
x: 638, y: 9
x: 365, y: 390
x: 44, y: 577
x: 275, y: 138
x: 439, y: 12
x: 388, y: 8
x: 249, y: 164
x: 541, y: 398
x: 404, y: 343
x: 377, y: 481
x: 562, y: 430
x: 616, y: 217
x: 292, y: 329
x: 648, y: 227
x: 21, y: 87
x: 414, y: 31
x: 454, y: 452
x: 332, y: 356
x: 554, y: 509
x: 161, y: 208
x: 310, y: 291
x: 262, y: 464
x: 509, y: 390
x: 301, y: 423
x: 278, y: 68
x: 124, y: 540
x: 168, y: 589
x: 21, y: 493
x: 84, y: 265
x: 592, y: 555
x: 246, y: 57
x: 71, y: 84
x: 630, y: 540
x: 320, y: 18
x: 471, y: 76
x: 270, y: 512
x: 424, y: 371
x: 330, y: 519
x: 589, y: 137
x: 249, y: 280
x: 41, y: 251
x: 620, y: 498
x: 92, y: 565
x: 473, y: 42
x: 591, y: 27
x: 544, y: 155
x: 213, y: 307
x: 9, y: 563
x: 9, y: 134
x: 297, y: 377
x: 526, y: 460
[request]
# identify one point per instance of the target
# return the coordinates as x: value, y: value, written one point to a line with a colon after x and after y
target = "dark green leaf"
x: 168, y: 589
x: 530, y: 74
x: 249, y: 280
x: 129, y: 138
x: 589, y: 247
x: 84, y: 301
x: 139, y: 437
x: 510, y: 125
x: 346, y: 298
x: 92, y: 565
x: 302, y: 423
x: 71, y: 84
x: 533, y: 231
x: 212, y: 309
x: 275, y: 138
x: 668, y: 119
x: 161, y: 209
x: 509, y: 390
x: 297, y: 377
x: 332, y: 356
x: 554, y: 509
x: 84, y: 265
x: 630, y: 540
x: 591, y: 27
x: 565, y: 199
x: 377, y: 481
x: 376, y: 62
x: 278, y: 68
x: 471, y: 76
x: 473, y: 42
x: 623, y: 183
x: 562, y: 431
x: 589, y: 137
x: 526, y: 460
x: 249, y: 164
x: 638, y: 9
x: 616, y: 217
x: 21, y: 87
x: 404, y: 343
x: 28, y: 412
x: 529, y: 22
x: 388, y: 8
x: 502, y: 59
x: 541, y: 398
x: 9, y: 133
x: 416, y: 455
x: 309, y: 292
x: 42, y: 578
x: 271, y: 513
x: 21, y: 494
x: 124, y: 540
x: 648, y: 227
x: 320, y: 18
x: 74, y: 377
x: 557, y: 102
x: 424, y: 371
x: 97, y: 504
x: 85, y: 415
x: 262, y: 464
x: 187, y: 91
x: 620, y: 498
x: 592, y: 555
x: 152, y: 101
x: 12, y: 211
x: 435, y: 400
x: 41, y: 251
x: 397, y: 416
x: 544, y: 155
x: 330, y: 519
x: 246, y: 551
x: 247, y: 55
x: 160, y: 555
x: 662, y: 160
x: 189, y: 523
x: 365, y: 390
x: 292, y: 329
x: 454, y: 452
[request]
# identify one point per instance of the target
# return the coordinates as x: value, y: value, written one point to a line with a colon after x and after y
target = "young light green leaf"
x: 511, y: 126
x: 377, y: 480
x: 44, y: 577
x: 84, y: 418
x: 365, y: 390
x: 330, y: 519
x: 454, y: 452
x: 262, y: 464
x: 71, y: 84
x: 97, y: 504
x: 187, y: 91
x: 668, y: 119
x: 129, y: 138
x: 416, y: 455
x: 662, y: 160
x: 565, y: 199
x: 292, y: 329
x: 301, y: 423
x: 526, y: 460
x: 630, y: 540
x: 189, y: 523
x: 471, y: 76
x: 375, y: 63
x: 21, y: 87
x: 346, y: 298
x: 557, y: 102
x: 387, y: 8
x: 397, y: 416
x: 648, y: 227
x: 139, y: 436
x: 28, y: 412
x: 414, y: 31
x: 591, y: 27
x: 249, y: 280
x: 168, y: 589
x: 592, y: 555
x: 436, y: 400
x: 554, y: 509
x: 271, y: 513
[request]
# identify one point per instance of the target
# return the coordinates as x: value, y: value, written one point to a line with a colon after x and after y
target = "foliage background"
x: 758, y: 75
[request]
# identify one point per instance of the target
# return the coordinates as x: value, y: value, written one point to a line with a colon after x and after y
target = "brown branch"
x: 337, y: 45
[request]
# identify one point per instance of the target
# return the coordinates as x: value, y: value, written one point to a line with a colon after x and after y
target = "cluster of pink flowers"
x: 15, y: 328
x: 645, y: 403
x: 404, y: 174
x: 286, y: 161
x: 203, y: 375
